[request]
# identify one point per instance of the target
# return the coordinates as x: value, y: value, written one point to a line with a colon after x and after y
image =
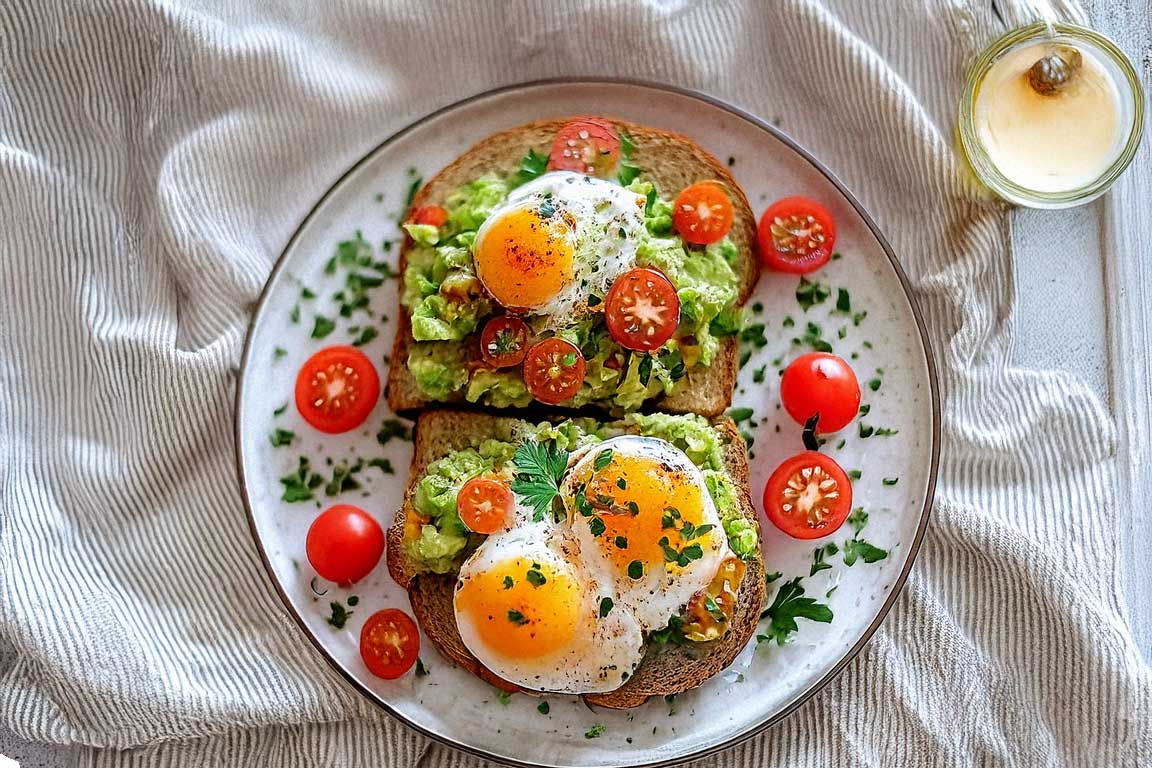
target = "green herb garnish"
x: 606, y: 606
x: 540, y: 469
x: 517, y: 618
x: 280, y: 437
x: 786, y: 607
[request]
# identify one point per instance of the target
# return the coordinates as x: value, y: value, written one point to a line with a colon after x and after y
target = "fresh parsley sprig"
x: 539, y: 471
x: 789, y: 605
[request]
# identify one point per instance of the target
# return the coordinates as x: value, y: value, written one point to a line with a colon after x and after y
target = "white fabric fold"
x: 156, y: 157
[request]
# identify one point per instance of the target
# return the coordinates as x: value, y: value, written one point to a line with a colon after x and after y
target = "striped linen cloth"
x: 155, y: 157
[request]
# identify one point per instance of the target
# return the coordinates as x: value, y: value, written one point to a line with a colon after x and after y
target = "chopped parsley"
x: 306, y: 293
x: 858, y: 519
x: 532, y: 165
x: 508, y: 583
x: 606, y: 606
x: 278, y: 352
x: 865, y: 409
x: 280, y: 411
x: 280, y: 437
x: 859, y: 549
x: 789, y: 605
x: 382, y: 464
x: 843, y: 301
x: 421, y: 670
x: 890, y: 481
x: 682, y: 557
x: 594, y: 732
x: 621, y: 483
x: 294, y: 315
x: 543, y: 708
x: 811, y: 292
x: 365, y: 336
x: 621, y: 542
x: 596, y: 525
x: 535, y: 576
x: 299, y: 485
x: 745, y: 356
x: 788, y: 323
x: 393, y: 428
x: 603, y: 459
x: 819, y: 561
x: 340, y: 615
x: 517, y: 618
x: 855, y: 474
x: 758, y: 374
x: 644, y: 370
x: 868, y: 431
x: 322, y: 327
x: 635, y: 570
x: 342, y: 479
x: 874, y: 384
x: 814, y: 337
x: 503, y: 697
x: 754, y: 334
x: 688, y: 532
x: 740, y: 414
x: 540, y: 469
x: 757, y: 307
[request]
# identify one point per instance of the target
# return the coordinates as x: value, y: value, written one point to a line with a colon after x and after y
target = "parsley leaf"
x: 339, y: 616
x: 322, y: 327
x: 517, y: 618
x: 859, y: 549
x: 858, y: 519
x: 508, y: 582
x: 843, y: 301
x: 532, y: 165
x: 603, y: 459
x: 535, y: 577
x: 285, y: 437
x: 635, y: 570
x: 393, y: 428
x: 811, y: 292
x: 819, y: 563
x: 540, y: 469
x: 299, y: 485
x: 421, y: 670
x: 606, y: 606
x: 543, y: 708
x: 596, y: 526
x: 786, y: 607
x: 594, y: 732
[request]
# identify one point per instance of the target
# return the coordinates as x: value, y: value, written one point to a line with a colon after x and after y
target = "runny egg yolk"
x: 649, y: 510
x: 524, y: 258
x: 521, y: 609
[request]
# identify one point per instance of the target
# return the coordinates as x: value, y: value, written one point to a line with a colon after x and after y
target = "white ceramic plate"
x: 767, y: 682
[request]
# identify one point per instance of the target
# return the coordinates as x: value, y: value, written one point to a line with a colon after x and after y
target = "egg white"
x: 609, y: 224
x: 603, y: 652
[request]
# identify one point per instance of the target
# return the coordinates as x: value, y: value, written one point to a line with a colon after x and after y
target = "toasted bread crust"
x: 665, y: 670
x: 673, y: 162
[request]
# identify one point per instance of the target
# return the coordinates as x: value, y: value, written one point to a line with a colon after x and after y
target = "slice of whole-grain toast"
x: 669, y: 160
x: 666, y: 669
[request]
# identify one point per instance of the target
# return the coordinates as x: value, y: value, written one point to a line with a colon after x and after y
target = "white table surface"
x: 1084, y: 306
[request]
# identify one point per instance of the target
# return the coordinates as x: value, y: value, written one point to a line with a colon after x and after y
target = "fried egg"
x: 536, y: 613
x: 643, y: 506
x: 556, y: 240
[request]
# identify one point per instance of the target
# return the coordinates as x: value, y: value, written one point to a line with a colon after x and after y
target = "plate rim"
x: 905, y: 284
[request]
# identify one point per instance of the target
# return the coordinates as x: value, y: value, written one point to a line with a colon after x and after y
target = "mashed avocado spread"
x: 437, y: 540
x: 448, y: 306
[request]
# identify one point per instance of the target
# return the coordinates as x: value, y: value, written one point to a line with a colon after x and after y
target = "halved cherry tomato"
x: 702, y: 213
x: 808, y: 496
x: 504, y: 341
x: 553, y: 370
x: 344, y: 544
x: 484, y: 504
x: 820, y: 383
x: 389, y: 643
x: 587, y: 145
x: 796, y: 235
x: 430, y: 214
x: 336, y: 389
x: 642, y: 310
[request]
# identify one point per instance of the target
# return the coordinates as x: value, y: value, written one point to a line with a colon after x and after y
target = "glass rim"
x: 978, y: 157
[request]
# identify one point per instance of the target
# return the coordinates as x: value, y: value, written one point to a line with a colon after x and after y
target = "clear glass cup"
x: 1131, y: 117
